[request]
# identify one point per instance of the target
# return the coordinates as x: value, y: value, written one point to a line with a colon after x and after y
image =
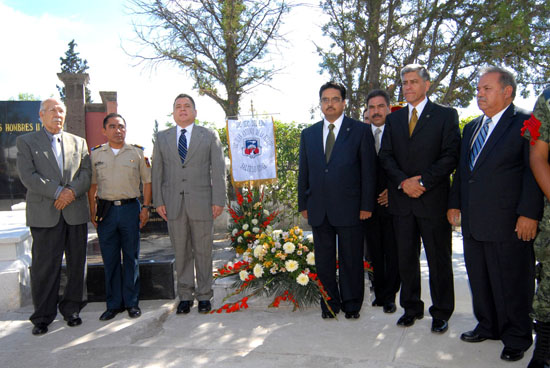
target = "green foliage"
x: 218, y: 43
x: 465, y: 121
x: 72, y: 63
x: 24, y: 96
x: 373, y: 40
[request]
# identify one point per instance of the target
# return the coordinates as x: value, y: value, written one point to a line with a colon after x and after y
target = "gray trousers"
x: 192, y: 242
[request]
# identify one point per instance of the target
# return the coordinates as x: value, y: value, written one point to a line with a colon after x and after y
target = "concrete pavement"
x: 257, y: 337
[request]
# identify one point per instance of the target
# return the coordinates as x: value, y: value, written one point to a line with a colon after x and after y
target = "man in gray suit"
x: 189, y: 193
x: 55, y: 168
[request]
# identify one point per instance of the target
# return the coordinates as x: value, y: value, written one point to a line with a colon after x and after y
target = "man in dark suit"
x: 336, y: 186
x: 419, y: 152
x: 55, y: 168
x: 499, y: 201
x: 379, y: 234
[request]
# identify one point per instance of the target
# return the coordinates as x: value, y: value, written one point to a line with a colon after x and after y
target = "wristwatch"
x: 147, y: 206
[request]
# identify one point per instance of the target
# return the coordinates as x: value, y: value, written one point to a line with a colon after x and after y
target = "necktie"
x: 377, y: 132
x: 182, y: 146
x: 330, y: 141
x: 58, y: 151
x: 478, y: 143
x: 412, y: 123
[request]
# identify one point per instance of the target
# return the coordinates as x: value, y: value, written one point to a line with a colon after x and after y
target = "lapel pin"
x: 428, y: 116
x: 347, y: 129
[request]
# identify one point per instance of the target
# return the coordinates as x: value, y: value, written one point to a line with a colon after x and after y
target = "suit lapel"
x: 318, y: 144
x: 500, y: 129
x: 402, y: 122
x: 45, y: 145
x: 423, y: 119
x: 197, y: 137
x: 172, y: 141
x: 343, y: 133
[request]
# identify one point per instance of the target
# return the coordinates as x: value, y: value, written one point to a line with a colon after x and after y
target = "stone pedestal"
x: 15, y: 259
x: 74, y: 101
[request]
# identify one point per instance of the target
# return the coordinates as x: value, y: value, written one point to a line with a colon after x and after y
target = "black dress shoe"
x: 511, y: 354
x: 73, y: 320
x: 439, y: 325
x: 184, y: 307
x: 352, y: 315
x: 109, y: 314
x: 134, y: 312
x: 204, y: 306
x: 40, y: 329
x: 407, y: 320
x: 390, y: 307
x: 472, y: 336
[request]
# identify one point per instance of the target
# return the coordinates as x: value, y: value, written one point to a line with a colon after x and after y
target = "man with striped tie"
x: 496, y: 195
x: 189, y: 193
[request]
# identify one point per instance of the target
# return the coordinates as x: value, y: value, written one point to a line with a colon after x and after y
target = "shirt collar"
x: 419, y: 108
x: 497, y: 116
x: 337, y: 123
x: 374, y: 127
x: 52, y: 136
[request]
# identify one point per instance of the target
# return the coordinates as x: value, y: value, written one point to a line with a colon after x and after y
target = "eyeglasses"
x: 333, y: 100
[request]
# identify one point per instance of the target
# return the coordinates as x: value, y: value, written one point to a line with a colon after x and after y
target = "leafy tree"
x: 24, y: 96
x: 218, y: 43
x: 72, y: 63
x: 373, y: 39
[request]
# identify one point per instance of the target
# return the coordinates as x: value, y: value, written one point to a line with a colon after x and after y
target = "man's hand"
x: 143, y: 217
x: 412, y: 187
x: 92, y: 217
x: 65, y: 198
x: 216, y: 210
x: 304, y: 214
x: 453, y: 216
x: 526, y: 228
x: 383, y: 198
x: 161, y: 210
x: 363, y: 215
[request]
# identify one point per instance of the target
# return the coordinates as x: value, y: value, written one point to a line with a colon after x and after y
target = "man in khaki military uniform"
x: 117, y: 171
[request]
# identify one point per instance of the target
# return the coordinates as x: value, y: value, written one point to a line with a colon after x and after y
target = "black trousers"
x: 502, y: 281
x: 382, y: 251
x: 436, y: 236
x: 48, y: 246
x: 346, y: 291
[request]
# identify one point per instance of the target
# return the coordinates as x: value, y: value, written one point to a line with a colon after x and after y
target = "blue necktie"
x: 182, y: 145
x: 478, y: 143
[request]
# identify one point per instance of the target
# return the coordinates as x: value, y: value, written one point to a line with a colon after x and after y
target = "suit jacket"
x: 200, y: 180
x: 501, y: 186
x: 431, y: 151
x: 381, y: 182
x: 41, y: 176
x: 345, y: 185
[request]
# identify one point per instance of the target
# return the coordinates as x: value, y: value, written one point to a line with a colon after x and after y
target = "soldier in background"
x: 537, y: 129
x: 117, y: 171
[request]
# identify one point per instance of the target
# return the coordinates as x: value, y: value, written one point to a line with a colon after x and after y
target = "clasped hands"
x: 65, y: 198
x: 412, y: 187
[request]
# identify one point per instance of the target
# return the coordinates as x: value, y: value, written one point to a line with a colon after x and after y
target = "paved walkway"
x: 256, y: 337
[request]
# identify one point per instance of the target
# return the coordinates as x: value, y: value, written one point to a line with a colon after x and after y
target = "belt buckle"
x: 117, y: 203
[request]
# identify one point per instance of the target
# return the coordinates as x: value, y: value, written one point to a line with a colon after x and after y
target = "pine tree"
x: 72, y: 63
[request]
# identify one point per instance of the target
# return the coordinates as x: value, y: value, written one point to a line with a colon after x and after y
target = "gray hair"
x: 422, y: 71
x: 506, y: 77
x: 59, y: 102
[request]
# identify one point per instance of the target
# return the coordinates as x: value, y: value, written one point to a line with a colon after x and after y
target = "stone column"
x: 75, y: 121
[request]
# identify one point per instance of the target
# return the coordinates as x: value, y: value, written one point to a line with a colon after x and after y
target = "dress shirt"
x: 419, y: 108
x: 188, y: 131
x: 337, y: 124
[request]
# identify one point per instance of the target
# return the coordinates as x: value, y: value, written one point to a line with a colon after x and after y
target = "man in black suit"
x: 419, y: 152
x: 499, y: 201
x: 379, y: 234
x: 336, y: 186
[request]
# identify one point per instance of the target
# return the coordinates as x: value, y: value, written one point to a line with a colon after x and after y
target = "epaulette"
x: 96, y: 147
x: 138, y: 146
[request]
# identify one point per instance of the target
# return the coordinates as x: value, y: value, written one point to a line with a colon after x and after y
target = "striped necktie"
x: 182, y: 145
x: 479, y: 142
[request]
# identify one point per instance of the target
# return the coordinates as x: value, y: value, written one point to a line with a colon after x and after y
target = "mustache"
x: 376, y: 116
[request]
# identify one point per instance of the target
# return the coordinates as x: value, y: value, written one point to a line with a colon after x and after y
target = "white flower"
x: 234, y: 232
x: 229, y: 264
x: 269, y: 229
x: 277, y: 245
x: 277, y: 233
x: 310, y: 238
x: 302, y: 279
x: 285, y: 234
x: 258, y: 251
x: 254, y: 221
x: 310, y: 258
x: 273, y: 270
x: 246, y: 257
x: 273, y: 250
x: 291, y: 265
x: 266, y: 213
x: 240, y: 239
x: 245, y: 227
x: 289, y: 247
x: 243, y: 275
x: 299, y: 252
x: 256, y: 230
x: 258, y: 270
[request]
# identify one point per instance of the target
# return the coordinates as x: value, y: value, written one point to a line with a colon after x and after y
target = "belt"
x: 120, y: 202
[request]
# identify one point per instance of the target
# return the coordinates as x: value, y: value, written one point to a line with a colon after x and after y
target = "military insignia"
x: 138, y: 146
x: 147, y: 163
x: 99, y: 163
x: 96, y: 147
x: 533, y: 125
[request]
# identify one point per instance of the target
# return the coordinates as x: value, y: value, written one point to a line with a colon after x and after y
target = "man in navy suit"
x: 499, y: 201
x: 379, y: 233
x: 419, y: 152
x: 336, y: 186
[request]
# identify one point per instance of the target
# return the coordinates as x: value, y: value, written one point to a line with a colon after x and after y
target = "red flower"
x: 533, y: 125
